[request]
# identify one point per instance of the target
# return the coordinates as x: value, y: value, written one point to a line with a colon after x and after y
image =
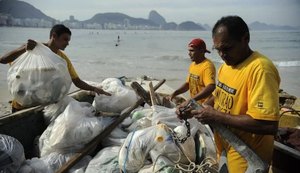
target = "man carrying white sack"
x: 59, y: 40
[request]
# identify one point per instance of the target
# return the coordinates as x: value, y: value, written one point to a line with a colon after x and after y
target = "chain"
x: 188, y: 133
x: 182, y: 110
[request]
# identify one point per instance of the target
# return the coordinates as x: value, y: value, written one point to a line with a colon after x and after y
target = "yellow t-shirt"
x: 200, y: 75
x: 71, y: 70
x: 249, y: 88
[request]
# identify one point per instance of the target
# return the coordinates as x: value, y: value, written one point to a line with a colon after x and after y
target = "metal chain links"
x: 186, y: 122
x: 188, y: 133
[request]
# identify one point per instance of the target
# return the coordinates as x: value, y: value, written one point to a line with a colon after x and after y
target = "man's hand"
x: 170, y: 97
x: 30, y: 44
x: 183, y: 111
x: 206, y: 115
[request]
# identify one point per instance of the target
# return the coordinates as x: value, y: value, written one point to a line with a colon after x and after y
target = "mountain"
x: 190, y: 26
x: 118, y: 18
x: 20, y: 13
x: 156, y: 18
x: 263, y: 26
x: 22, y: 10
x: 170, y: 26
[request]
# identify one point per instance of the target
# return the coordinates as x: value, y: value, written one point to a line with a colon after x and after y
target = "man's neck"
x: 199, y: 60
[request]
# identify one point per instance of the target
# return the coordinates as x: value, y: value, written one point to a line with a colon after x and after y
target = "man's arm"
x: 83, y: 85
x: 14, y: 54
x: 206, y: 92
x: 243, y: 122
x: 180, y: 90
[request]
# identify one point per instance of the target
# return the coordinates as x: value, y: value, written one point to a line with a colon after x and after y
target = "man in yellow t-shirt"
x: 246, y: 96
x: 60, y: 36
x: 201, y: 78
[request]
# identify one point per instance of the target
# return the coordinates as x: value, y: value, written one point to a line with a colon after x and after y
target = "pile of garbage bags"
x: 144, y: 142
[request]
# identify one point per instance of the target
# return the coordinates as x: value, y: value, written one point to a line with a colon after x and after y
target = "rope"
x: 127, y: 152
x: 292, y: 110
x: 205, y: 164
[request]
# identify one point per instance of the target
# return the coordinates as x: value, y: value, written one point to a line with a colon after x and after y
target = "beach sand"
x: 5, y: 108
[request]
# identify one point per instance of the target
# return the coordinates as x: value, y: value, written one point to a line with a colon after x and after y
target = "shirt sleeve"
x: 263, y: 96
x: 71, y: 69
x: 209, y: 75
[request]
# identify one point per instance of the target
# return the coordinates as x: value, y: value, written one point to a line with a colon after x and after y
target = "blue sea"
x: 159, y: 54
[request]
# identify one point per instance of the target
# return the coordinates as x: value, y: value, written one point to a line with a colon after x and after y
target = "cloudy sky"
x: 278, y: 12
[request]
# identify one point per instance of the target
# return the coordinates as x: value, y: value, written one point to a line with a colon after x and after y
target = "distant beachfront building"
x: 7, y: 20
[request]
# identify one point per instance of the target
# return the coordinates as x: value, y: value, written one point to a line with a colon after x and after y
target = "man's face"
x: 62, y: 41
x: 194, y: 53
x: 231, y: 51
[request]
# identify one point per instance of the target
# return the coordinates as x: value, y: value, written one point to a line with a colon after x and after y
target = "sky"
x: 277, y: 12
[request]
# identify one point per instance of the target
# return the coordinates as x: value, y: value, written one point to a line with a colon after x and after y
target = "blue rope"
x: 127, y: 153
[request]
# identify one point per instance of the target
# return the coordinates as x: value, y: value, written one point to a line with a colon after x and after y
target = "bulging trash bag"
x: 106, y: 160
x: 121, y: 98
x: 52, y: 163
x: 71, y: 130
x: 53, y: 110
x: 138, y: 144
x: 11, y: 154
x: 38, y: 77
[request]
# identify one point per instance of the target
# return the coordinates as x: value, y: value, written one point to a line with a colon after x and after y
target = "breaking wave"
x: 287, y: 63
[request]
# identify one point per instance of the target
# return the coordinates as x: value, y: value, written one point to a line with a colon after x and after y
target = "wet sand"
x: 5, y: 108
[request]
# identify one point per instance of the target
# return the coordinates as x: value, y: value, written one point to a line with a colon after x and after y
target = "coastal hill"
x: 20, y: 13
x: 262, y: 26
x: 22, y: 10
x: 120, y: 19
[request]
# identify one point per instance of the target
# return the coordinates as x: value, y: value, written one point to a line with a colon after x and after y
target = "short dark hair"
x: 235, y: 25
x: 59, y: 29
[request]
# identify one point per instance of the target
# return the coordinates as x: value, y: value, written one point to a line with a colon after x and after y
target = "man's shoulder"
x: 208, y: 63
x: 260, y: 59
x: 62, y: 54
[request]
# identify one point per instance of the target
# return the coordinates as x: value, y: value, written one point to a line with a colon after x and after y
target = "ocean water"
x: 159, y: 54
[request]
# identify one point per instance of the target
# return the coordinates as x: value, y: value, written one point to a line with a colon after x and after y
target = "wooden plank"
x: 93, y: 144
x: 141, y: 92
x: 286, y: 149
x: 152, y: 94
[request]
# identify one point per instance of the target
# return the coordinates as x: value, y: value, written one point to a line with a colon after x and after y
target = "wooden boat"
x: 27, y: 124
x: 285, y: 157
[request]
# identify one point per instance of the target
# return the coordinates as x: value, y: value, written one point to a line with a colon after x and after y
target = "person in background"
x: 246, y: 96
x: 60, y: 36
x: 201, y: 78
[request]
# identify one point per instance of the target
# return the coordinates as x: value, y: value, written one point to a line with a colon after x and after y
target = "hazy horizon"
x: 276, y: 12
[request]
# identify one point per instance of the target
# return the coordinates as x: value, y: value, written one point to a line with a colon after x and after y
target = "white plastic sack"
x: 71, y: 130
x: 121, y: 98
x: 55, y: 109
x: 188, y: 147
x: 139, y: 143
x: 168, y: 116
x: 141, y: 118
x: 38, y: 77
x: 105, y: 161
x: 11, y: 154
x: 52, y: 162
x: 115, y: 138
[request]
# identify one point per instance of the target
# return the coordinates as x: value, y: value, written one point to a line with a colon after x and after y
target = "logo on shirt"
x: 260, y: 104
x: 226, y: 88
